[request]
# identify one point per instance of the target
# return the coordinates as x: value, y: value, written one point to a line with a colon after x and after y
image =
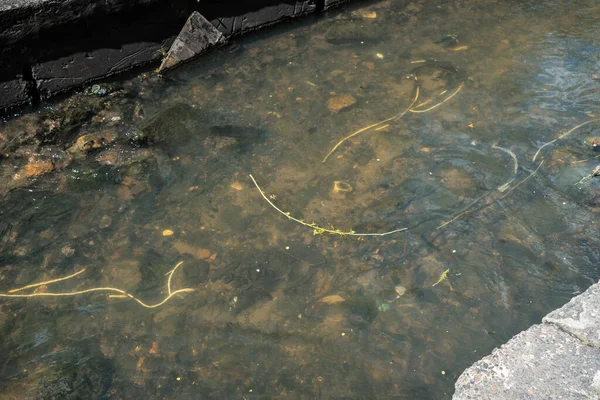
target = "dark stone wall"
x: 51, y: 46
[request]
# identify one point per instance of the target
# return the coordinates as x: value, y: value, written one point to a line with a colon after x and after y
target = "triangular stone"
x: 197, y: 36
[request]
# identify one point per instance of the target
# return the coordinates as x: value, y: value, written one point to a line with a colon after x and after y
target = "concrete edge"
x: 559, y: 358
x: 41, y: 56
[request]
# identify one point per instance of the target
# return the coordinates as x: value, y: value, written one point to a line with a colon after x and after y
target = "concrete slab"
x: 21, y: 19
x: 542, y: 362
x: 75, y: 70
x: 580, y: 317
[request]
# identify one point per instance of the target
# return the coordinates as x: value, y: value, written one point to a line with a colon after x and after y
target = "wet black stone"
x: 250, y: 297
x: 182, y: 123
x: 447, y: 41
x: 175, y: 123
x: 245, y: 136
x: 363, y: 307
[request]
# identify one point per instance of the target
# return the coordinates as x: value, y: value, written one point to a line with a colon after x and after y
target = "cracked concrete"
x: 557, y: 359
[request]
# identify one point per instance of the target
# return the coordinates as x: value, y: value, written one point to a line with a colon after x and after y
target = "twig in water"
x: 582, y: 161
x: 562, y: 136
x: 443, y: 277
x: 440, y: 103
x: 595, y: 172
x: 524, y: 180
x: 513, y: 155
x: 506, y: 185
x: 317, y: 230
x: 469, y: 209
x: 371, y: 126
x: 121, y: 293
x: 47, y: 282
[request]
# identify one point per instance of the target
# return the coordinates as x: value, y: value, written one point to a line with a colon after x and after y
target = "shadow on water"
x: 154, y: 172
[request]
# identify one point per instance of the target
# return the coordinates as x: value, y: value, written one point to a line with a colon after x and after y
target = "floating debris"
x: 443, y: 277
x: 446, y: 70
x: 459, y: 48
x: 120, y: 293
x: 502, y: 188
x: 371, y: 126
x: 317, y: 230
x: 562, y: 136
x: 510, y: 153
x: 595, y: 173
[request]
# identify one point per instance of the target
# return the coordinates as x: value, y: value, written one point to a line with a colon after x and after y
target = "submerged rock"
x: 352, y: 31
x: 338, y: 103
x: 171, y: 124
x: 182, y: 123
x: 36, y: 167
x: 92, y: 141
x: 448, y: 41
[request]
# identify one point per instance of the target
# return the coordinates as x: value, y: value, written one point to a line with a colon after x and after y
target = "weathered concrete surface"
x: 74, y: 70
x: 51, y: 46
x: 15, y: 91
x: 22, y: 18
x: 580, y: 317
x: 267, y: 14
x: 197, y: 36
x: 558, y: 359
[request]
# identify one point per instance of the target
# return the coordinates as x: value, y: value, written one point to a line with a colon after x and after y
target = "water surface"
x: 276, y: 311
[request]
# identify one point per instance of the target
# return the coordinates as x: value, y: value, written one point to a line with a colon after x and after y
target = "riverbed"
x: 431, y: 235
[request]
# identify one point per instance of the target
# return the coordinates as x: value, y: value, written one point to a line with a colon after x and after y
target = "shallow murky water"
x: 276, y: 310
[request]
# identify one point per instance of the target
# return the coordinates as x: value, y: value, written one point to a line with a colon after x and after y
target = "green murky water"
x: 276, y: 311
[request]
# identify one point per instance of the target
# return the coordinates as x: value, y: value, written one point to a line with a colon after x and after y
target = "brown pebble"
x: 105, y: 222
x: 204, y: 254
x: 338, y: 103
x: 36, y: 168
x: 332, y: 299
x: 67, y: 251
